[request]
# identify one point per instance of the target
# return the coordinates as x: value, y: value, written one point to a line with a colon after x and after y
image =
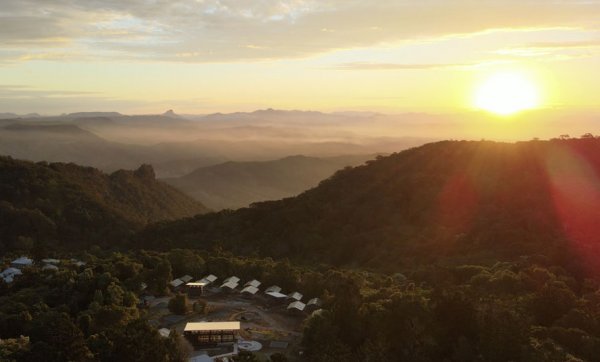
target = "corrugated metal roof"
x: 212, y: 326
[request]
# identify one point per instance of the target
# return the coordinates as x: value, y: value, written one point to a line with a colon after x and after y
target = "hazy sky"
x: 200, y: 56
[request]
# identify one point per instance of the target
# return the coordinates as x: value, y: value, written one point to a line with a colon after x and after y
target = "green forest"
x: 452, y: 251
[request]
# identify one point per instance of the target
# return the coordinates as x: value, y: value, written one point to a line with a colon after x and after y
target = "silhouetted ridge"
x: 71, y: 204
x: 468, y: 199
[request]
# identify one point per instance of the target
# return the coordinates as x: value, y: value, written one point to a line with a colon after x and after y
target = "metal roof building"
x: 273, y: 288
x: 250, y: 290
x: 295, y: 295
x: 297, y: 305
x: 254, y: 283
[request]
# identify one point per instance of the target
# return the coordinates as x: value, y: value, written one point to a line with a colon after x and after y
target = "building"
x: 276, y: 298
x: 9, y: 274
x: 51, y: 261
x: 195, y: 289
x: 207, y: 334
x: 273, y: 288
x: 250, y: 290
x: 22, y: 262
x: 313, y: 304
x: 295, y: 296
x: 208, y: 279
x: 50, y: 267
x: 232, y: 279
x: 229, y: 285
x: 176, y: 283
x: 186, y: 278
x: 296, y: 307
x: 77, y: 262
x: 164, y: 332
x: 253, y: 283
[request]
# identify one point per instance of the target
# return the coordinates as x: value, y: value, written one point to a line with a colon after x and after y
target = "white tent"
x: 273, y: 288
x: 297, y: 305
x: 295, y: 295
x: 250, y: 290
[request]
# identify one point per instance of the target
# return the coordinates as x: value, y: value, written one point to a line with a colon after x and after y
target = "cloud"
x: 565, y: 44
x: 12, y: 92
x: 242, y: 30
x: 394, y: 66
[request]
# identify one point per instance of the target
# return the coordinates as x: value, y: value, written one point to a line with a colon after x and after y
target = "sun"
x: 507, y: 93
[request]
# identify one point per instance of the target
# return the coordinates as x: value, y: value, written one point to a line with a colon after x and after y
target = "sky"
x: 204, y: 56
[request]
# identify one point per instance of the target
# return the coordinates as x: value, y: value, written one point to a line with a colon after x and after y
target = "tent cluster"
x: 250, y: 288
x: 23, y: 262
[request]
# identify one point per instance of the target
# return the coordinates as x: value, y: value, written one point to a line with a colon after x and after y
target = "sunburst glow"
x: 507, y: 93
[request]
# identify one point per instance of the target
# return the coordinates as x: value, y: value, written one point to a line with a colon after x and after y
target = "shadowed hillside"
x: 470, y: 200
x: 42, y: 202
x: 232, y: 185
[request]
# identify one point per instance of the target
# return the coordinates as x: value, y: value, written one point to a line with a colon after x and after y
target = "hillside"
x: 232, y: 185
x: 42, y: 202
x: 468, y: 200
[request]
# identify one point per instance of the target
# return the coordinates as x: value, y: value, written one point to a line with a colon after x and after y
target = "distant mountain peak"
x: 145, y: 171
x: 170, y: 113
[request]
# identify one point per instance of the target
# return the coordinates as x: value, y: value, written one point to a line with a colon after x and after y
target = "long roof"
x: 196, y: 284
x: 212, y: 326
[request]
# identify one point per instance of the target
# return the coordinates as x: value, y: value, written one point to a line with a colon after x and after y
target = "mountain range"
x: 177, y: 145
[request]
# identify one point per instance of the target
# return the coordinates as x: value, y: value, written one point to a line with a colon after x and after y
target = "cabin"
x: 295, y: 295
x: 253, y: 283
x: 77, y: 262
x: 296, y: 307
x: 51, y: 261
x: 233, y: 279
x: 50, y: 267
x: 176, y: 283
x: 273, y: 288
x: 9, y: 274
x: 229, y: 286
x: 211, y: 334
x: 22, y: 262
x: 313, y: 304
x: 208, y: 279
x: 164, y: 332
x: 249, y: 290
x: 186, y: 278
x: 275, y: 298
x: 195, y: 289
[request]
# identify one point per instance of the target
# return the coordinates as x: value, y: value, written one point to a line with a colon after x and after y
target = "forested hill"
x: 58, y: 202
x: 232, y: 185
x: 463, y: 199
